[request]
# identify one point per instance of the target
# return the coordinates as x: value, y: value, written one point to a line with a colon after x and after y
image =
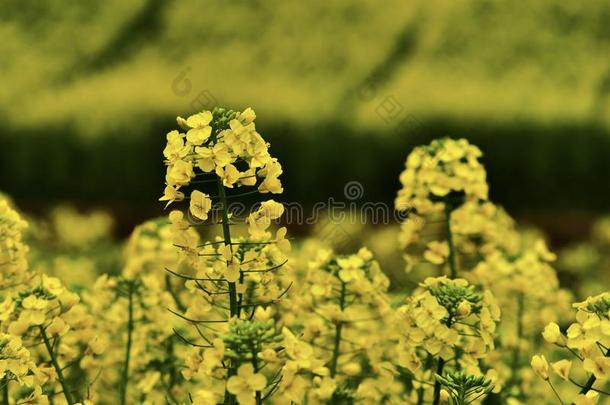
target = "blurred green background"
x: 343, y: 91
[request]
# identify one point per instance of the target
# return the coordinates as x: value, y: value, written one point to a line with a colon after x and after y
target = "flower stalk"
x: 589, y: 384
x: 439, y: 371
x: 516, y: 350
x: 130, y: 324
x: 339, y: 327
x: 5, y: 393
x: 258, y: 395
x: 60, y: 375
x: 226, y: 231
x: 453, y: 273
x: 233, y: 303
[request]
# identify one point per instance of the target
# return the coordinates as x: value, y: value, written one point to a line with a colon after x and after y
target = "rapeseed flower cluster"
x: 339, y: 304
x: 588, y: 343
x: 220, y: 142
x: 231, y: 277
x: 444, y: 172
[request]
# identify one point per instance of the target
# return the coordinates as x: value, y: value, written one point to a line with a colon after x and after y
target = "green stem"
x: 240, y: 296
x: 420, y: 391
x: 172, y: 372
x: 439, y: 371
x: 589, y: 384
x: 174, y: 295
x: 125, y: 376
x: 259, y: 399
x: 233, y: 303
x: 516, y: 351
x: 462, y: 396
x: 420, y: 395
x: 233, y: 307
x: 5, y: 395
x: 452, y: 264
x: 555, y: 392
x: 437, y: 384
x: 58, y: 370
x: 339, y: 327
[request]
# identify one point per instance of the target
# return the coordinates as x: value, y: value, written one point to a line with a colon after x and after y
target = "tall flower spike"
x: 229, y: 277
x: 438, y: 179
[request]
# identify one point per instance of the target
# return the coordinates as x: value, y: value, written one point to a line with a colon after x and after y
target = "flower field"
x: 456, y: 303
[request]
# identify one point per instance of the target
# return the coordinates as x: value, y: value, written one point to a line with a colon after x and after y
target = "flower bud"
x: 464, y: 308
x: 553, y: 335
x: 540, y: 366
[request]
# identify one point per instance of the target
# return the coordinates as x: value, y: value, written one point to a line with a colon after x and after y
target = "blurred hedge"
x: 530, y: 167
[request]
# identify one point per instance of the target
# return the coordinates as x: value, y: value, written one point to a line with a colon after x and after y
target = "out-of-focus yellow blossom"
x: 205, y: 397
x: 436, y: 252
x: 74, y: 229
x: 521, y: 277
x: 527, y: 273
x: 152, y: 338
x: 13, y: 251
x: 17, y: 363
x: 245, y: 384
x: 57, y: 327
x: 435, y: 171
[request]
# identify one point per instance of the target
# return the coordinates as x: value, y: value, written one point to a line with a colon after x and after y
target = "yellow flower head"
x: 446, y: 168
x: 223, y: 142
